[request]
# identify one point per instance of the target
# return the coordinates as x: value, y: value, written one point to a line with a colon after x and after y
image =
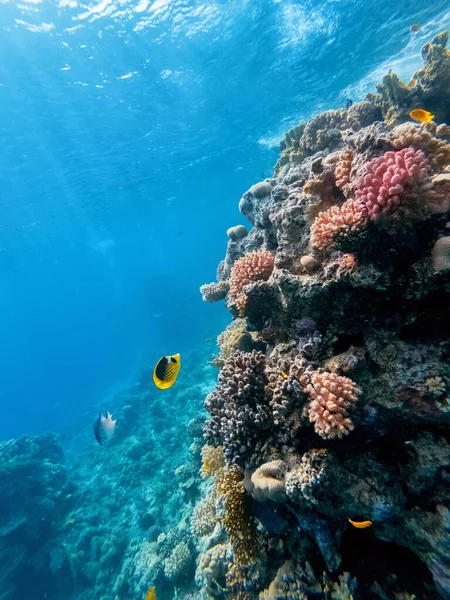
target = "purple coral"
x: 388, y: 178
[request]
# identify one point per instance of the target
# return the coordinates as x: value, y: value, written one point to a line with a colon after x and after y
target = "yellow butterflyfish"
x: 166, y: 371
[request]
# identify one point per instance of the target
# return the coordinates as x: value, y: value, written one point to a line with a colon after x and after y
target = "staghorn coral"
x: 267, y: 482
x: 332, y: 395
x: 214, y: 292
x: 390, y: 179
x: 235, y: 517
x: 238, y: 407
x: 339, y: 225
x: 440, y: 255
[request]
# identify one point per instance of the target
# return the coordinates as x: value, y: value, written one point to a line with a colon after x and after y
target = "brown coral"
x: 332, y: 395
x: 267, y: 482
x: 425, y: 137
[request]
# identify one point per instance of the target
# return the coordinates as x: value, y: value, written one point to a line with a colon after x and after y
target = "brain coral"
x: 177, y: 562
x: 267, y: 482
x: 332, y: 395
x: 388, y: 178
x: 440, y: 255
x: 204, y: 517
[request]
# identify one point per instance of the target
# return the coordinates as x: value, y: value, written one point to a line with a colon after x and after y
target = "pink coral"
x: 331, y: 397
x: 389, y: 178
x: 254, y: 266
x: 338, y: 223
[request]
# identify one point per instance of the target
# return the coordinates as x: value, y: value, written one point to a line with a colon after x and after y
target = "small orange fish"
x: 151, y: 594
x: 415, y: 28
x: 421, y: 115
x: 285, y: 375
x: 360, y: 524
x: 206, y: 464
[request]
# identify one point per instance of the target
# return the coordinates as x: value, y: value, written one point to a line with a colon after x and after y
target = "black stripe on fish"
x: 160, y: 371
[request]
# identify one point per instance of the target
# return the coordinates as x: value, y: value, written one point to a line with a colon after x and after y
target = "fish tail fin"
x: 109, y: 415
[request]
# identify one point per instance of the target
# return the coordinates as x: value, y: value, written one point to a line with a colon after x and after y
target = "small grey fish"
x: 104, y: 428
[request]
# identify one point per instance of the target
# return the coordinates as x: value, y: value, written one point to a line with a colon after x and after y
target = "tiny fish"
x: 180, y: 233
x: 349, y: 103
x: 208, y: 339
x: 151, y: 594
x: 207, y: 465
x: 284, y: 375
x: 421, y: 115
x: 360, y: 524
x: 415, y: 28
x: 69, y: 523
x: 166, y: 371
x: 104, y: 428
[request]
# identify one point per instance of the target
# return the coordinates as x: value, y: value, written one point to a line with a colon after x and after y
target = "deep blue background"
x: 126, y: 123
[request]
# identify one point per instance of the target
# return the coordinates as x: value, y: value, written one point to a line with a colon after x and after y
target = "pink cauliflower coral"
x: 338, y: 223
x: 254, y: 266
x: 331, y: 397
x: 388, y: 179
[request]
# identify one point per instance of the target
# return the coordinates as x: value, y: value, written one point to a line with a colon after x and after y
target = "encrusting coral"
x: 342, y: 411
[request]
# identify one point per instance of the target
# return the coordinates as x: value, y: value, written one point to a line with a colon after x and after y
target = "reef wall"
x: 327, y: 456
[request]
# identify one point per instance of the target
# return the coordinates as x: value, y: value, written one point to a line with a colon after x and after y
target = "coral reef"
x: 342, y: 413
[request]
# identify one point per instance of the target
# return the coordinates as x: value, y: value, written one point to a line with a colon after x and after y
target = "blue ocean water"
x: 129, y: 130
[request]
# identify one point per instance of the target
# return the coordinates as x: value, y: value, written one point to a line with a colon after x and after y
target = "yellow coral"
x: 212, y: 460
x: 238, y: 524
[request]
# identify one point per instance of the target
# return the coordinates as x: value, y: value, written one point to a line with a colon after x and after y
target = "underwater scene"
x: 225, y: 300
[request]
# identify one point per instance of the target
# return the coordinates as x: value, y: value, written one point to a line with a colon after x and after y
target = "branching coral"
x: 339, y: 225
x: 332, y: 395
x: 214, y: 292
x: 302, y: 481
x: 204, y: 517
x: 212, y: 460
x: 238, y: 406
x: 234, y: 517
x: 389, y: 178
x: 254, y: 266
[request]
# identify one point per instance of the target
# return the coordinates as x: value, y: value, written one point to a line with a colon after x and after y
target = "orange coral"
x: 331, y: 397
x: 343, y: 169
x: 338, y: 223
x: 254, y: 266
